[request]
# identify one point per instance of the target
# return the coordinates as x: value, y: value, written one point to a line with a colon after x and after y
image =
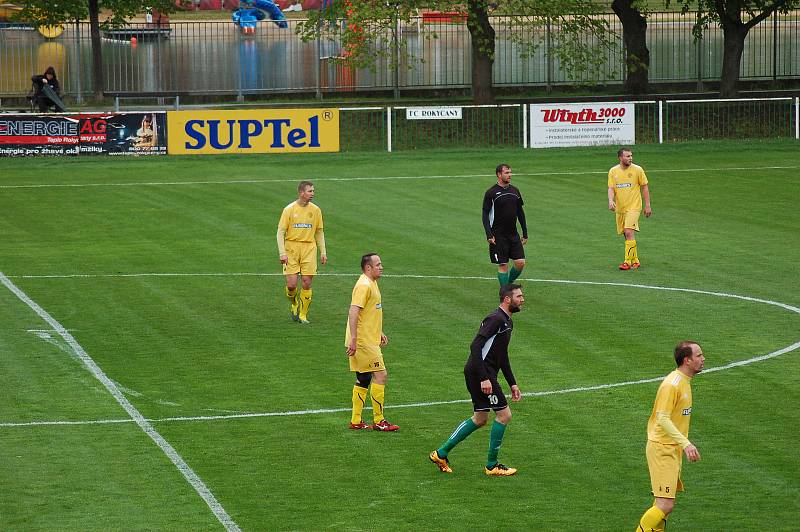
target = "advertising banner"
x: 124, y: 133
x: 112, y: 134
x: 256, y: 131
x: 22, y: 135
x: 582, y: 124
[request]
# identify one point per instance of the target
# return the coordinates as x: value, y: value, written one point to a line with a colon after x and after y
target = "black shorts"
x: 504, y: 248
x: 482, y: 402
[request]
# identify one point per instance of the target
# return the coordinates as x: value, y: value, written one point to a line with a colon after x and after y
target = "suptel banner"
x: 582, y: 124
x: 82, y: 134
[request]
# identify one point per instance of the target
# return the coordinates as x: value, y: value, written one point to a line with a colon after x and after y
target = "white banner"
x: 433, y: 113
x: 582, y: 124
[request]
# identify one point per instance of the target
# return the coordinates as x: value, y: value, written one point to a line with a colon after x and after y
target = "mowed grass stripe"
x: 386, y: 178
x: 188, y: 473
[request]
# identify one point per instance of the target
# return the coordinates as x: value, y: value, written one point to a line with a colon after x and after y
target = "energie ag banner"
x: 81, y: 134
x: 582, y: 124
x: 256, y: 131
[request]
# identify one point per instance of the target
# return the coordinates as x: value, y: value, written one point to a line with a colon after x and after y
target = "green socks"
x: 503, y: 278
x: 495, y: 441
x: 466, y: 428
x: 513, y: 274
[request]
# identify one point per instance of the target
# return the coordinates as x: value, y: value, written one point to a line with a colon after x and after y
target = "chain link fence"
x: 213, y: 57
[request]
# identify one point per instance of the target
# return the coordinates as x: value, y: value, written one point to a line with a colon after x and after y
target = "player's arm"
x: 646, y: 194
x: 281, y: 238
x: 319, y: 236
x: 487, y: 226
x: 523, y: 225
x: 505, y: 367
x: 672, y: 431
x: 352, y: 324
x: 612, y: 205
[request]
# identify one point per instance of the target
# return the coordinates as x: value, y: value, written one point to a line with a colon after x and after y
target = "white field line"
x: 579, y: 389
x: 134, y: 414
x: 384, y: 178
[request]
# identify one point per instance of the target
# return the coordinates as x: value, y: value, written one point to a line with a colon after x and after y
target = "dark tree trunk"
x: 97, y: 52
x: 634, y: 33
x: 733, y: 47
x: 482, y: 34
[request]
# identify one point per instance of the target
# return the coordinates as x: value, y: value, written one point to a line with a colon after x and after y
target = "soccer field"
x: 154, y: 284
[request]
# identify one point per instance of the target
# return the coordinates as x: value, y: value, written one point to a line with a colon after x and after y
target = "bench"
x: 160, y: 97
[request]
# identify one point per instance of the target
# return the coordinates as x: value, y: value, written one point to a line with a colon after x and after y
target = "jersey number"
x: 493, y: 399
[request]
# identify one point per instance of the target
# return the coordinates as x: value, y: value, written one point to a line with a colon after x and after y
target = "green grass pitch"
x: 165, y: 271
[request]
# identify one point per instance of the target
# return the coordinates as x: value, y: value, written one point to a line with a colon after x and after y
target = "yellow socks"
x: 305, y: 302
x: 291, y: 294
x: 376, y: 394
x: 630, y: 252
x: 652, y: 520
x: 359, y: 398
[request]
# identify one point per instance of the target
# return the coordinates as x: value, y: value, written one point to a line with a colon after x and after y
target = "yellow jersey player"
x: 300, y: 233
x: 363, y: 340
x: 668, y: 435
x: 627, y: 183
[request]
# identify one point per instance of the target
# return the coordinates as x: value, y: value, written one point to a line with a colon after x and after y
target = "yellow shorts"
x: 664, y: 463
x: 367, y: 358
x: 301, y: 258
x: 627, y: 220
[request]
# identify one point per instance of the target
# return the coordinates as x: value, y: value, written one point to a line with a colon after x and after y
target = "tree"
x: 370, y: 32
x: 116, y: 12
x: 737, y: 18
x: 634, y: 34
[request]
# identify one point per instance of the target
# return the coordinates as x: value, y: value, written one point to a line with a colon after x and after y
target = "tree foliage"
x: 114, y: 13
x: 102, y: 14
x: 367, y: 30
x: 737, y: 18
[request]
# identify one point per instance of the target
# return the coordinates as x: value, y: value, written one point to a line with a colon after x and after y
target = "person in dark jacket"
x: 39, y: 81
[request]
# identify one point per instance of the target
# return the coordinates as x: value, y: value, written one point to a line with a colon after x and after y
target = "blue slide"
x: 250, y: 12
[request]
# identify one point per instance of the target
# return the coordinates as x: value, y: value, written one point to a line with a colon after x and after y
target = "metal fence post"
x: 79, y: 98
x: 389, y: 129
x: 699, y: 47
x: 396, y: 59
x: 548, y: 58
x: 797, y: 118
x: 524, y: 125
x: 661, y: 121
x: 239, y: 93
x: 774, y: 46
x: 318, y: 73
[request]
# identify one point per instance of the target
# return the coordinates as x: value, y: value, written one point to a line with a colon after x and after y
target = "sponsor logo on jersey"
x: 301, y: 226
x: 624, y: 185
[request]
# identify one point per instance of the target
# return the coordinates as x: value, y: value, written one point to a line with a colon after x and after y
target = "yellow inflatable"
x: 48, y: 32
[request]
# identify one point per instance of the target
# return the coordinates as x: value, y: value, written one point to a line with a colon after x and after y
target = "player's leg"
x: 498, y: 254
x: 663, y: 463
x: 516, y: 270
x: 631, y: 227
x: 480, y: 407
x: 360, y: 390
x: 502, y: 417
x: 292, y: 272
x: 304, y: 298
x: 655, y: 518
x: 308, y: 269
x: 517, y: 254
x: 620, y: 222
x: 291, y: 294
x: 377, y: 394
